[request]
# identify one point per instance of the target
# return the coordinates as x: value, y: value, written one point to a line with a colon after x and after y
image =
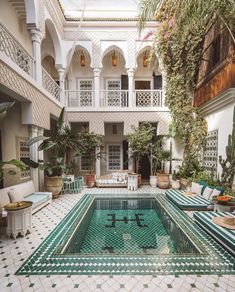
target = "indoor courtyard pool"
x: 131, y: 235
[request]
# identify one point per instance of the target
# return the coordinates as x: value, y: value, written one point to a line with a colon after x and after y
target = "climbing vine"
x: 179, y: 42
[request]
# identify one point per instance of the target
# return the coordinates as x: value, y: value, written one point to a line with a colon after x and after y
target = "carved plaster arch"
x: 81, y: 46
x: 56, y: 40
x: 111, y: 48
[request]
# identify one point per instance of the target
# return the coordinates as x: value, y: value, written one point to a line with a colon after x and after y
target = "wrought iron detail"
x: 12, y: 49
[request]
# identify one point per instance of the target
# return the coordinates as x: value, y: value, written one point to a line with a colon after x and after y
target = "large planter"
x: 153, y: 181
x: 53, y: 184
x: 90, y: 180
x: 163, y: 180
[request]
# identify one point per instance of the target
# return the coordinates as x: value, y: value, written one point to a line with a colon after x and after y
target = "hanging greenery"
x: 179, y: 42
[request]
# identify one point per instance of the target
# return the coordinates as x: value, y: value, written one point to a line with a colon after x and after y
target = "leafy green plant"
x: 62, y: 143
x: 228, y: 164
x: 179, y: 42
x: 89, y: 142
x: 140, y: 141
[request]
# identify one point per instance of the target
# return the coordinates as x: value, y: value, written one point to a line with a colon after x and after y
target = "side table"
x: 19, y: 218
x: 223, y: 208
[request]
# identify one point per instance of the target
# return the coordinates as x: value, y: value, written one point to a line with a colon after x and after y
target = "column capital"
x: 33, y: 130
x: 130, y: 72
x: 36, y: 35
x: 97, y: 72
x: 61, y: 72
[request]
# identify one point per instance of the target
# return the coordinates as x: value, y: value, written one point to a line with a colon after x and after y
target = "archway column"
x: 97, y: 163
x: 36, y: 37
x: 40, y: 157
x: 97, y: 72
x: 62, y: 85
x: 131, y: 87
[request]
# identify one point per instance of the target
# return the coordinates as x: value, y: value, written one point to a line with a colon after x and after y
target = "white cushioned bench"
x: 25, y: 192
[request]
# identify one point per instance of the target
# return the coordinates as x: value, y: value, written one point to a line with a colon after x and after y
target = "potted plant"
x: 61, y: 143
x: 90, y: 141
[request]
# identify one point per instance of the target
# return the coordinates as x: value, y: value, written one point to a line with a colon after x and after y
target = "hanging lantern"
x: 114, y: 60
x: 145, y: 60
x: 82, y: 60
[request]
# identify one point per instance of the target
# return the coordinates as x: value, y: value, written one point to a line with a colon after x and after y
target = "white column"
x: 97, y: 86
x: 34, y: 155
x: 131, y: 87
x: 131, y: 165
x: 97, y: 163
x: 40, y: 157
x: 36, y: 40
x: 62, y: 85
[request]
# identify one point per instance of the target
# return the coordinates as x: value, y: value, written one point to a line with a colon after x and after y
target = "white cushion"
x: 196, y: 188
x: 215, y: 193
x: 207, y: 193
x: 16, y: 195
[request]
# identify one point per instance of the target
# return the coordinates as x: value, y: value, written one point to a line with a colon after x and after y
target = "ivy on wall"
x: 179, y: 42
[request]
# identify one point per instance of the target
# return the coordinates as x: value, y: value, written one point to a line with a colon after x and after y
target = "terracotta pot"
x: 175, y: 184
x: 53, y: 184
x: 153, y: 181
x: 163, y: 180
x: 90, y: 180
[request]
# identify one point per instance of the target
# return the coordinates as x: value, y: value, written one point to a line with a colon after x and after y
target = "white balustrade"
x: 148, y: 98
x: 50, y: 85
x: 114, y: 98
x: 12, y: 49
x: 81, y: 98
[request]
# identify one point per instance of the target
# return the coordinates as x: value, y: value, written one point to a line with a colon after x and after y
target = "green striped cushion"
x: 224, y: 235
x: 187, y: 202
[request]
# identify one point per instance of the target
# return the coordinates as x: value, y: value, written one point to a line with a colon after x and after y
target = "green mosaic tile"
x: 48, y: 258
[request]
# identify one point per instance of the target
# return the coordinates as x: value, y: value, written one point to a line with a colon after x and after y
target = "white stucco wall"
x: 16, y: 26
x: 221, y: 119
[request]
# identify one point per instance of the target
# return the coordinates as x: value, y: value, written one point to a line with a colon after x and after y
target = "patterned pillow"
x: 207, y: 193
x: 196, y: 188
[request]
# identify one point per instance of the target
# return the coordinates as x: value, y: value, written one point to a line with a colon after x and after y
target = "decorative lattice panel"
x: 114, y: 157
x: 210, y: 155
x: 10, y: 46
x: 149, y: 98
x: 24, y: 152
x: 85, y: 92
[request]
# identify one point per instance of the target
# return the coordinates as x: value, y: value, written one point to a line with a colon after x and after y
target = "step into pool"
x: 124, y: 234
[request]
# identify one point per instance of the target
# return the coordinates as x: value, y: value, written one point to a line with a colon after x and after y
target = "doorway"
x: 142, y: 84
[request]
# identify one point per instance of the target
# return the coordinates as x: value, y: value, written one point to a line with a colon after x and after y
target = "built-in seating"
x: 188, y: 202
x: 25, y: 192
x: 224, y: 236
x: 113, y: 180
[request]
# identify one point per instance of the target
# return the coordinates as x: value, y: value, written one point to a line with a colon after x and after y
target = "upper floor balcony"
x: 116, y: 100
x: 108, y: 95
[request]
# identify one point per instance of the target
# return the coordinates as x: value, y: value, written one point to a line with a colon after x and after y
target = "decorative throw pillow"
x: 215, y: 193
x: 15, y: 195
x: 196, y: 188
x: 207, y: 193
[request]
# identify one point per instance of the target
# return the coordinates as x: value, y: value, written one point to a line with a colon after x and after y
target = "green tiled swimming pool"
x: 126, y: 227
x: 128, y: 235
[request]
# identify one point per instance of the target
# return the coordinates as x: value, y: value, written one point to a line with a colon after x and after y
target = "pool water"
x: 126, y: 227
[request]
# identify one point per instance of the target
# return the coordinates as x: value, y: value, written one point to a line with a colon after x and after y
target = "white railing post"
x: 97, y: 87
x: 130, y: 73
x: 61, y: 77
x: 36, y: 37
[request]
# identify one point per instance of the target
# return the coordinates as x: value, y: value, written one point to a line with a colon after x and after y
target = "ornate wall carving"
x: 42, y: 106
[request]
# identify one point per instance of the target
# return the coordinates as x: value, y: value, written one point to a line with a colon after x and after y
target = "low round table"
x: 19, y: 218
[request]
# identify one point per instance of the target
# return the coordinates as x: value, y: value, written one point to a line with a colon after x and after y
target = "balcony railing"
x: 12, y: 49
x: 81, y: 98
x: 114, y: 98
x: 50, y: 85
x: 148, y: 98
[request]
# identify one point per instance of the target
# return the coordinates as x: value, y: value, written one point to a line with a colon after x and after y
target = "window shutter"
x: 157, y: 82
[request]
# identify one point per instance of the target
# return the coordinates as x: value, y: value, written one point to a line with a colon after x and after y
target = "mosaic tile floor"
x: 14, y: 252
